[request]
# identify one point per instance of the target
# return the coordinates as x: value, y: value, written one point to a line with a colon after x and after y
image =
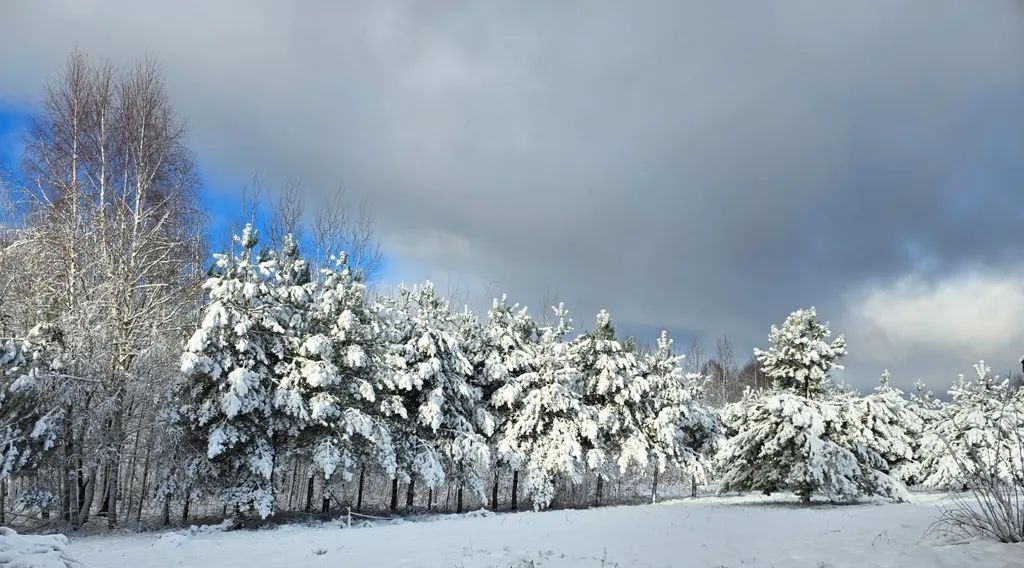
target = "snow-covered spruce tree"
x: 228, y: 390
x: 884, y: 423
x: 503, y: 352
x: 980, y: 428
x: 548, y: 428
x: 613, y: 385
x: 796, y: 436
x: 680, y: 430
x: 429, y: 372
x: 800, y: 357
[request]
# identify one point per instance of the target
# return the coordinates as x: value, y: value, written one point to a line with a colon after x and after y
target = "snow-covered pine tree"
x: 979, y: 428
x: 29, y: 412
x: 548, y: 428
x: 613, y: 385
x: 330, y: 377
x: 782, y: 441
x: 505, y: 352
x: 429, y: 372
x: 227, y: 394
x: 796, y: 437
x: 884, y: 422
x: 412, y: 452
x: 929, y: 410
x: 680, y: 429
x: 924, y: 404
x: 473, y: 345
x: 800, y: 357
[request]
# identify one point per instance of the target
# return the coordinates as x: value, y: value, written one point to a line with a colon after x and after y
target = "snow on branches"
x: 807, y: 437
x: 800, y: 357
x: 550, y: 427
x: 782, y: 441
x: 981, y: 428
x: 30, y: 369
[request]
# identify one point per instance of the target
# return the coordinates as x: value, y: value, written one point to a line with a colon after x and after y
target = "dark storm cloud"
x: 705, y: 167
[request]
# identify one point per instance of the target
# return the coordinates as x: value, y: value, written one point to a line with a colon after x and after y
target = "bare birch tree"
x: 109, y: 251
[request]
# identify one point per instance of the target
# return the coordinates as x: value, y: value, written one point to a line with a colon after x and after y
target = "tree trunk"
x: 359, y: 493
x: 89, y: 493
x: 81, y: 482
x: 654, y: 486
x: 430, y: 498
x: 494, y: 492
x: 515, y: 490
x: 70, y: 490
x: 3, y: 502
x: 309, y: 494
x: 112, y: 493
x: 131, y: 468
x: 84, y: 479
x: 600, y: 486
x: 458, y: 501
x: 693, y: 486
x: 805, y: 495
x: 116, y: 433
x: 184, y: 510
x: 291, y: 484
x: 410, y: 492
x: 167, y: 511
x: 145, y: 479
x: 394, y: 494
x: 105, y: 496
x: 325, y: 496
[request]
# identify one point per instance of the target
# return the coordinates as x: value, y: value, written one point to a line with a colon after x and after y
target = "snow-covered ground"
x: 712, y: 532
x: 34, y: 551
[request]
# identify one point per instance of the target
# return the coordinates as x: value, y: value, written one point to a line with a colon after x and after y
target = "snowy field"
x: 730, y: 532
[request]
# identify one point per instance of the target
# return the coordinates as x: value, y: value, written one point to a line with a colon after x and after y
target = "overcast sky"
x: 703, y: 167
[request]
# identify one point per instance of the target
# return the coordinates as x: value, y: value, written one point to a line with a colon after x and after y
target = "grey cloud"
x: 703, y: 167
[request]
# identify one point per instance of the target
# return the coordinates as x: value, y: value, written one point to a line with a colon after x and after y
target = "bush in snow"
x: 983, y: 435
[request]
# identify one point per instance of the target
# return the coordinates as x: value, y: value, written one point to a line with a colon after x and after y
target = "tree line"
x: 138, y: 375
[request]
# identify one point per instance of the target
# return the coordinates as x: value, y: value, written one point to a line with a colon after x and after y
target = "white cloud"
x: 947, y: 321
